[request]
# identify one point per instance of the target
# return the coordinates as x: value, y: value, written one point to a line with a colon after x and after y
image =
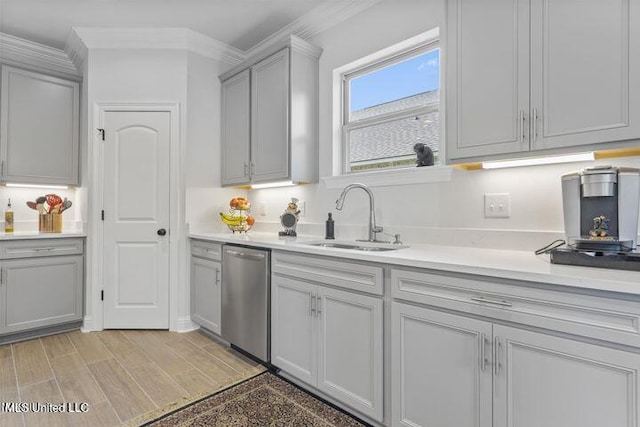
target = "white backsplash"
x: 26, y: 219
x: 448, y: 213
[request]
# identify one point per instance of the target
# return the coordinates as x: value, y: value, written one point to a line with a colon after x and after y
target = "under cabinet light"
x: 273, y: 185
x: 18, y: 185
x: 581, y: 157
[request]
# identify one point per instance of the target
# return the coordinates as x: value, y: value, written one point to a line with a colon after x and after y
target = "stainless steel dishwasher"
x: 246, y: 300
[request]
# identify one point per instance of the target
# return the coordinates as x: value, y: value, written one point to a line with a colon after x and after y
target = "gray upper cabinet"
x: 270, y: 116
x: 39, y: 128
x: 540, y: 76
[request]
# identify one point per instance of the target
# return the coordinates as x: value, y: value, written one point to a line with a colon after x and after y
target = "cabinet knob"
x: 162, y: 232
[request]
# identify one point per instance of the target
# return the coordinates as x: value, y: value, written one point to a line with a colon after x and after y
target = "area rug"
x: 264, y: 400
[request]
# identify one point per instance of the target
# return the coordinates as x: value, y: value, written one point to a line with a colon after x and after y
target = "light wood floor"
x: 127, y: 377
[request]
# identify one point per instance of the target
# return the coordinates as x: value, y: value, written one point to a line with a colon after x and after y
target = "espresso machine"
x: 601, y: 206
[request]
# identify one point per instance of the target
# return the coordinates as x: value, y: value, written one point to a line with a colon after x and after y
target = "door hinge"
x: 101, y: 295
x: 102, y: 214
x: 101, y: 132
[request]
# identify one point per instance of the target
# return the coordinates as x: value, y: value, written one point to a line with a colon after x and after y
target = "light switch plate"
x: 497, y: 205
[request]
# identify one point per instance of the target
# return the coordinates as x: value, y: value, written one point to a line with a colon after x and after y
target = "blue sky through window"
x: 410, y: 77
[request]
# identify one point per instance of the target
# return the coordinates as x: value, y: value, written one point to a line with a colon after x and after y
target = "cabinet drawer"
x: 610, y: 317
x: 348, y: 275
x: 40, y: 248
x: 206, y: 250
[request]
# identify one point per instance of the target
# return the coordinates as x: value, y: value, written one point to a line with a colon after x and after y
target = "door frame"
x: 94, y: 313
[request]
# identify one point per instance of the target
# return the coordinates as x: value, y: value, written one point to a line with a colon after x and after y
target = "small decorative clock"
x: 289, y: 219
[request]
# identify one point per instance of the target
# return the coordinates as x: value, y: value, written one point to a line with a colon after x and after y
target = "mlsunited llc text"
x: 46, y: 407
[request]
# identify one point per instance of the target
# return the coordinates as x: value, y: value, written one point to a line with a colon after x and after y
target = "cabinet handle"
x: 246, y: 169
x: 492, y: 301
x: 496, y: 355
x: 311, y: 304
x: 245, y: 255
x: 535, y: 124
x: 521, y: 127
x: 2, y: 168
x: 1, y: 275
x: 483, y: 352
x: 218, y: 278
x: 318, y: 306
x: 252, y: 169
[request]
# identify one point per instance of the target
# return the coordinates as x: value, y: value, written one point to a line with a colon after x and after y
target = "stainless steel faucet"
x: 373, y: 228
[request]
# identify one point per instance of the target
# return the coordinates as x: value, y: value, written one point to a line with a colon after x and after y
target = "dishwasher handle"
x: 245, y: 255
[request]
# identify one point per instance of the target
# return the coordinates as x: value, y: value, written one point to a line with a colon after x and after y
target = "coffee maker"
x: 601, y: 206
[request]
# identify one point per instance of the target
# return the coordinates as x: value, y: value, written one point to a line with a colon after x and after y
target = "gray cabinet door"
x: 205, y: 293
x: 549, y: 381
x: 350, y: 350
x: 38, y: 128
x: 235, y: 129
x: 441, y: 366
x: 577, y: 99
x: 293, y: 328
x: 270, y: 118
x: 40, y: 292
x: 487, y: 77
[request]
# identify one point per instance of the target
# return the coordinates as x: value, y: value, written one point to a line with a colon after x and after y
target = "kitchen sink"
x: 358, y: 246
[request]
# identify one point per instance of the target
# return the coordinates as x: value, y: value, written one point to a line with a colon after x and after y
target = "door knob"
x: 162, y: 232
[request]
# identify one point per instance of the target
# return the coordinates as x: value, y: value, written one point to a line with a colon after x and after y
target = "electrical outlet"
x: 497, y: 205
x: 302, y: 207
x: 263, y: 208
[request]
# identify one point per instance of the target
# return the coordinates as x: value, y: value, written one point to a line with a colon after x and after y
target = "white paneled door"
x: 136, y: 219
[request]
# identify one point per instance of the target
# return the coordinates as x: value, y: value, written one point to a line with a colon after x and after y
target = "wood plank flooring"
x: 127, y: 377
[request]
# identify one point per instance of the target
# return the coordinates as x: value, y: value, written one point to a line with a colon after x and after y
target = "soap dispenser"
x: 329, y: 228
x: 8, y: 219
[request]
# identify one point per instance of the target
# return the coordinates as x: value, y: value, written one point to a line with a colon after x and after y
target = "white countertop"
x: 26, y: 235
x: 506, y: 264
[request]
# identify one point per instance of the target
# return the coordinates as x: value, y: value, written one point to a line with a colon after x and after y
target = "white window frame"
x: 348, y: 125
x: 384, y: 177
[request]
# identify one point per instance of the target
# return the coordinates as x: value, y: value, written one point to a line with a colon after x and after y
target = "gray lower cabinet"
x: 38, y: 287
x: 206, y: 285
x: 483, y: 352
x: 327, y: 337
x: 452, y: 370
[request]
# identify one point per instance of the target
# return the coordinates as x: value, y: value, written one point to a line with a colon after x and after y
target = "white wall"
x: 26, y: 219
x: 135, y: 76
x: 204, y: 196
x: 450, y: 212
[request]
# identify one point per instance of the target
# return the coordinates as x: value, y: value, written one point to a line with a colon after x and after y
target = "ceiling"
x: 239, y: 23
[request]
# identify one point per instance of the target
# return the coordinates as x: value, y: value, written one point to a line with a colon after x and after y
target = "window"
x: 388, y: 107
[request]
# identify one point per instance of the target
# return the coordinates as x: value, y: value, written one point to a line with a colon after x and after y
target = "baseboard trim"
x: 185, y: 324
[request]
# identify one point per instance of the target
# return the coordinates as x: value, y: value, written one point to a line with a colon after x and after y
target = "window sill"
x: 388, y: 178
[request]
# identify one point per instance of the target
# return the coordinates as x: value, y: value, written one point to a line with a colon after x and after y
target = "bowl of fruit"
x: 238, y: 218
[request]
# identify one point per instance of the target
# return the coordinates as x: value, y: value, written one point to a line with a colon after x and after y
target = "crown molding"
x: 294, y: 42
x: 316, y: 21
x: 37, y: 57
x: 68, y: 62
x: 153, y: 38
x: 76, y: 50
